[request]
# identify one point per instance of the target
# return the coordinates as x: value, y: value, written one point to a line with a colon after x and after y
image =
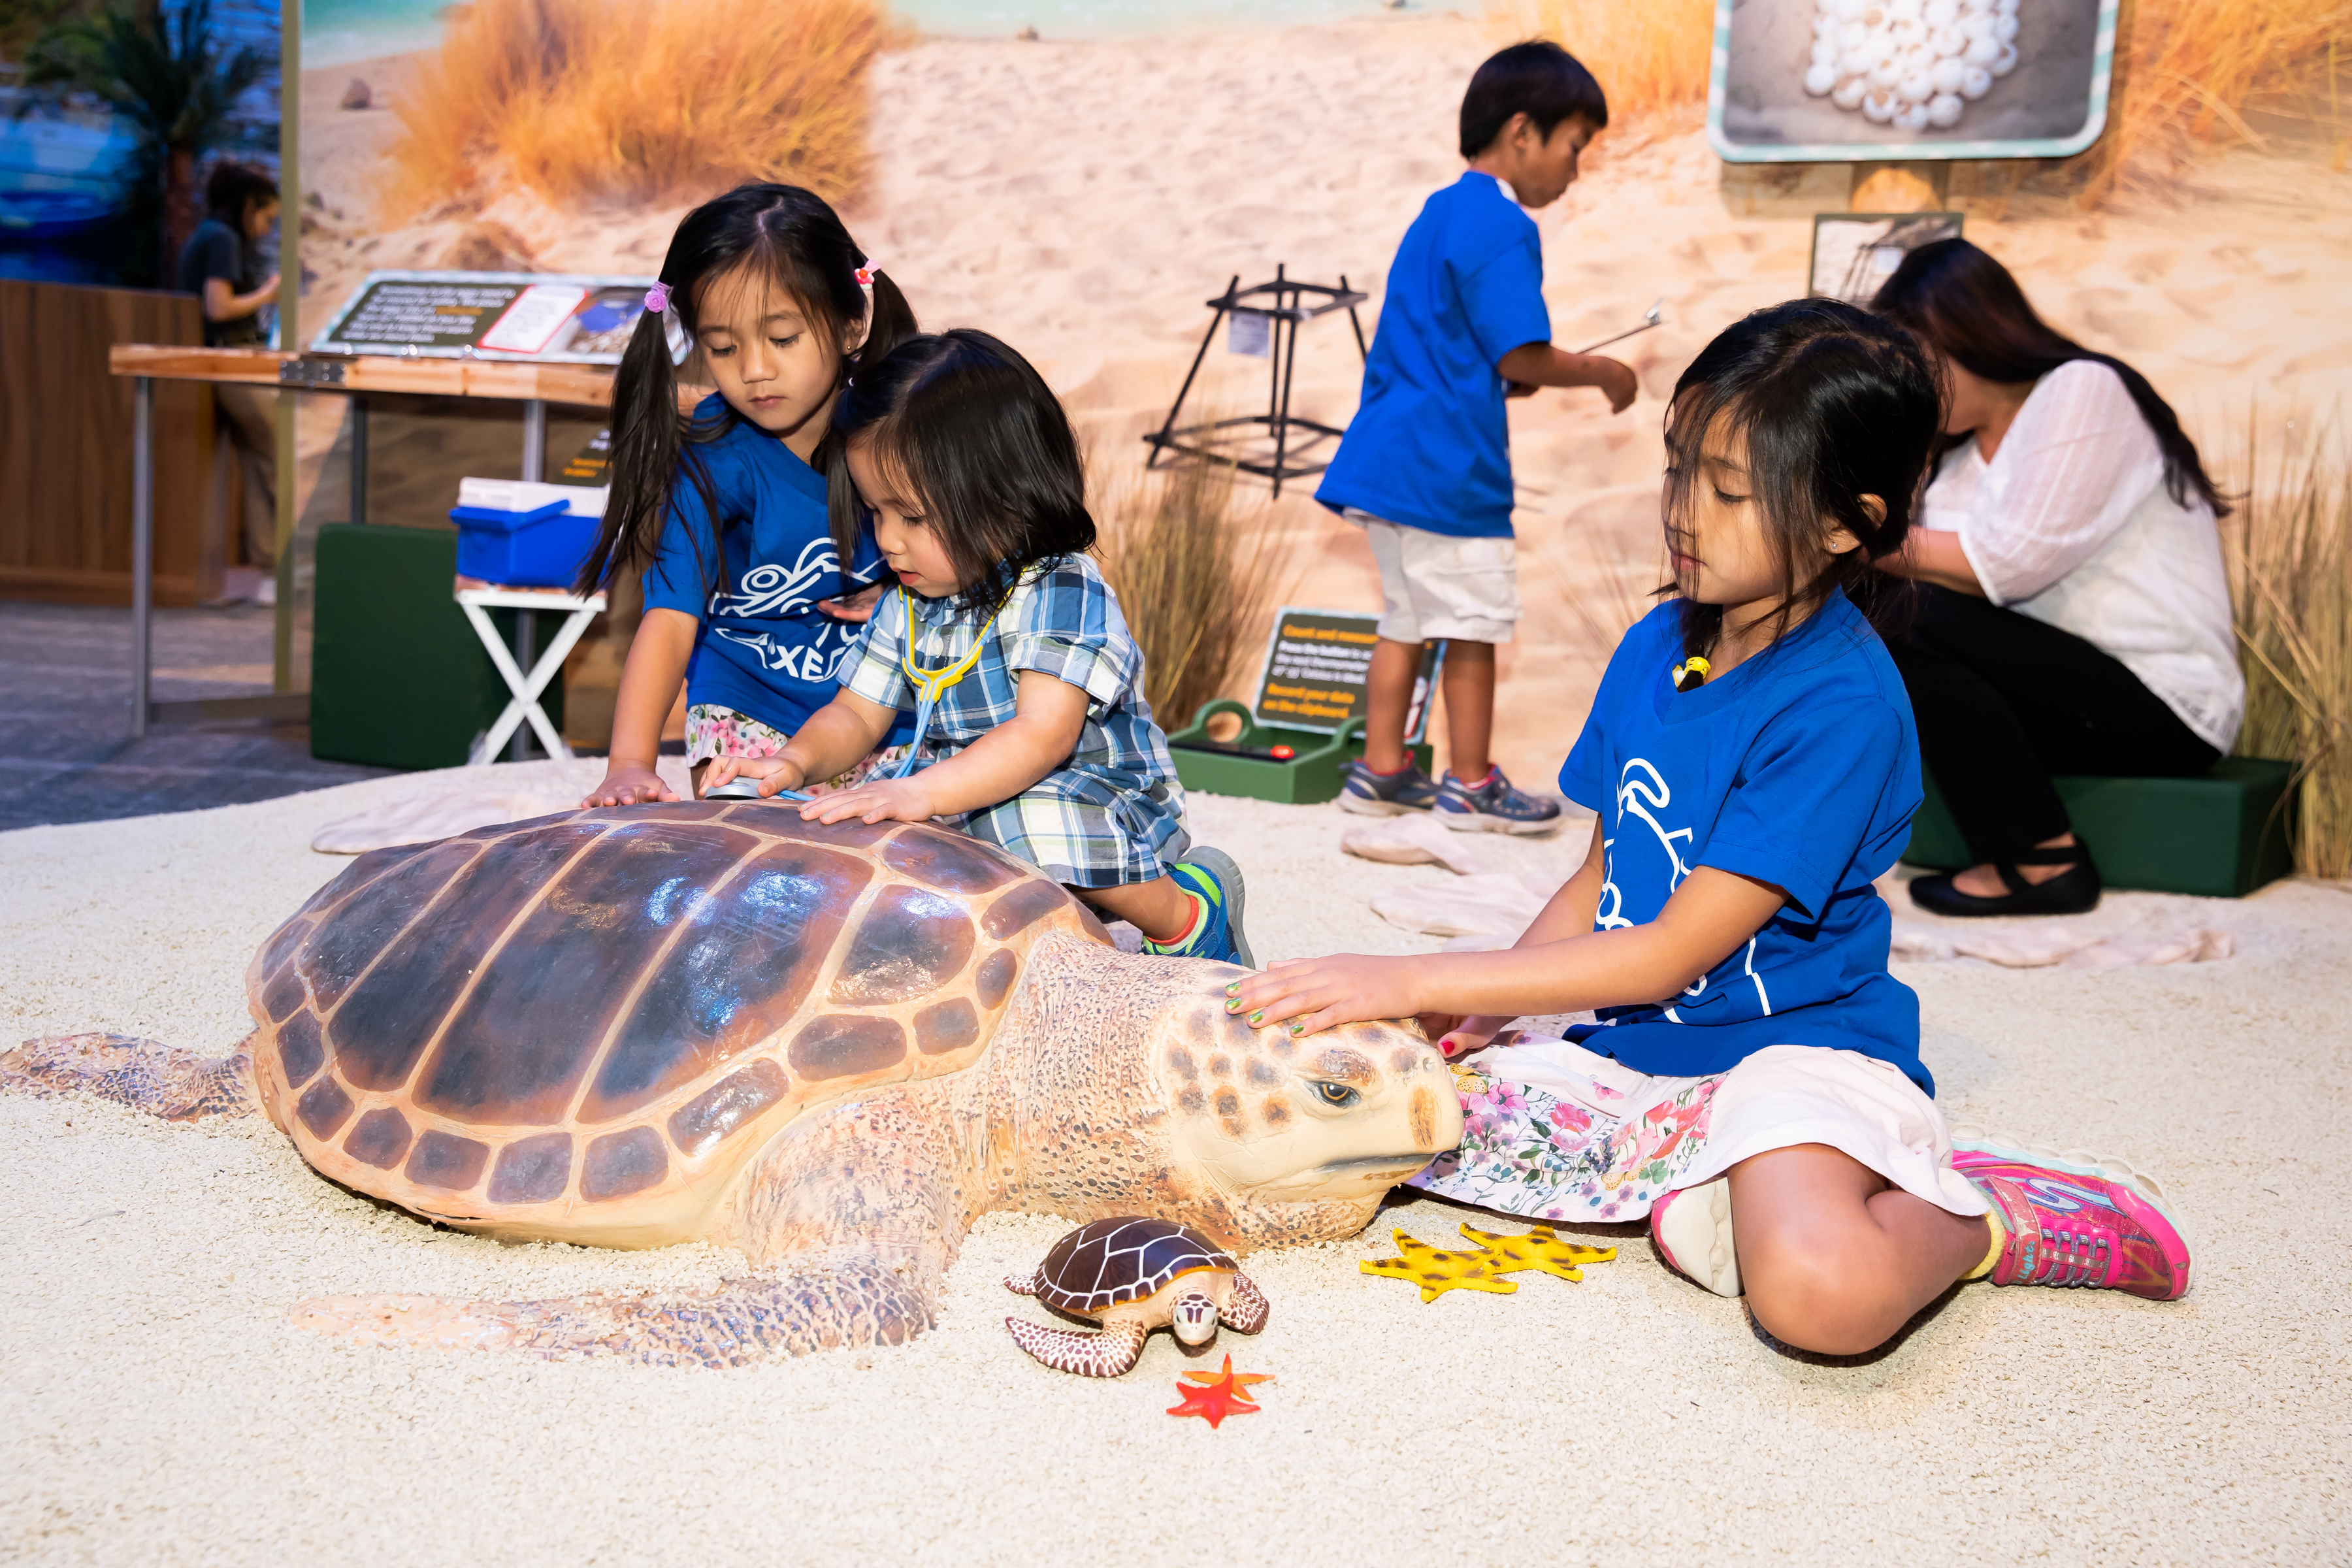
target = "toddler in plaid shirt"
x: 1031, y: 731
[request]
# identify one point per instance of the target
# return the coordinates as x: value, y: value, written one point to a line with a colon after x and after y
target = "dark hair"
x: 1970, y: 307
x: 987, y: 449
x: 1836, y: 404
x: 1537, y: 79
x: 233, y: 188
x: 797, y: 241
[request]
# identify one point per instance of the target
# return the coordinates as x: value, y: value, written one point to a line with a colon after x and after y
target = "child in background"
x: 1752, y: 758
x: 1425, y: 466
x: 1003, y: 639
x: 728, y: 509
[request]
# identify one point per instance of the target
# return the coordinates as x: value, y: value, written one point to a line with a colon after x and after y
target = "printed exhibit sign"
x: 1854, y: 80
x: 548, y: 318
x: 1318, y: 664
x: 1855, y: 253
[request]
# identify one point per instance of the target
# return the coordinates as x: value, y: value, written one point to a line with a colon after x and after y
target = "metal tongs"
x: 1652, y: 317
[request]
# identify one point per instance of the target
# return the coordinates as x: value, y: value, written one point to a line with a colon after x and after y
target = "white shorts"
x: 1433, y: 586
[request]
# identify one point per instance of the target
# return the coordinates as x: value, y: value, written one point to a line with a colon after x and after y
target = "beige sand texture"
x: 157, y: 1407
x: 1082, y: 199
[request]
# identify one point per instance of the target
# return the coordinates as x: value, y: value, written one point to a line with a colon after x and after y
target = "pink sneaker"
x: 2075, y: 1218
x: 1692, y: 1228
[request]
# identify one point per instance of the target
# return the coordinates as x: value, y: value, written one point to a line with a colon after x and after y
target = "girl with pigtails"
x: 751, y: 591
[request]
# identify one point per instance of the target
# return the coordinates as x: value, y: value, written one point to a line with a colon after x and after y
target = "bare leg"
x: 1835, y: 1258
x: 1468, y: 681
x: 1984, y: 882
x: 1387, y: 693
x: 1158, y: 909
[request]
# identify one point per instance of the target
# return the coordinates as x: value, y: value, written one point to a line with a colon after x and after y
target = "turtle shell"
x: 1111, y: 1262
x: 582, y: 1027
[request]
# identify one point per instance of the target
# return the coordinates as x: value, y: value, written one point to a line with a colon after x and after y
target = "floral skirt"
x: 712, y: 731
x: 1553, y: 1131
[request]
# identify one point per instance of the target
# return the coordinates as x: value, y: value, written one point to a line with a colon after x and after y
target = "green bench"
x: 397, y: 676
x: 2220, y: 836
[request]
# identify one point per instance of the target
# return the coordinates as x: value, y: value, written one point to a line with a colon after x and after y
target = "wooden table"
x: 356, y: 377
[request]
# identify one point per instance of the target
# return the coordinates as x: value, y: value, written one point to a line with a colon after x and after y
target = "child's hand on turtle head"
x: 876, y: 800
x: 1307, y: 995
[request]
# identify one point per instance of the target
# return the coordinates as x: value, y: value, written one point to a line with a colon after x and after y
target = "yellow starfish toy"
x: 1437, y: 1272
x: 1538, y: 1250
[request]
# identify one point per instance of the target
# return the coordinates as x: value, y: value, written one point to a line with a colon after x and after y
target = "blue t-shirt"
x: 765, y: 649
x: 1800, y: 768
x: 1430, y: 447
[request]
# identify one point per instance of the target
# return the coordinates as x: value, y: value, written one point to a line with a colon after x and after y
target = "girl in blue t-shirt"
x: 749, y: 590
x: 1751, y: 759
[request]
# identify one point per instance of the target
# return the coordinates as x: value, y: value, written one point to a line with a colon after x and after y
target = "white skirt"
x: 1554, y: 1132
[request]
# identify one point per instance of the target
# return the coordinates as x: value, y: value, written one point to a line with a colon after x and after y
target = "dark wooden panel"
x: 65, y: 448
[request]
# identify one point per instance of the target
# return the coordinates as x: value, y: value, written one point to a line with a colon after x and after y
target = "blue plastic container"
x: 542, y: 548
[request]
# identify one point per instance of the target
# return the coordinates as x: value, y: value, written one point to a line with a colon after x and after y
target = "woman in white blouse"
x: 2072, y: 615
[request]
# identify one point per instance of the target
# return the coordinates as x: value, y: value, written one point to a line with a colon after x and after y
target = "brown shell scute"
x: 532, y: 1169
x: 379, y: 1138
x: 745, y: 964
x: 575, y: 957
x: 697, y: 1126
x: 846, y: 1044
x: 447, y: 1160
x: 944, y: 862
x: 911, y: 942
x: 620, y: 1163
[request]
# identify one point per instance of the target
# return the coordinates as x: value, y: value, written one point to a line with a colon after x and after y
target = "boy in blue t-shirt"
x: 1425, y: 467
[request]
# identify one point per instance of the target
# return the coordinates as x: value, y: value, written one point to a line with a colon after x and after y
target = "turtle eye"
x: 1336, y: 1094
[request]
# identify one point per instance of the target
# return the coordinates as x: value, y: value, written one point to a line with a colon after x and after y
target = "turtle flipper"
x: 145, y: 1075
x: 1112, y: 1351
x: 1025, y: 1284
x: 838, y: 1298
x: 1245, y: 1306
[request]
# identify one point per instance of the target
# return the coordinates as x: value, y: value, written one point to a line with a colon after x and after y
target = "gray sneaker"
x: 1368, y: 794
x: 1493, y: 805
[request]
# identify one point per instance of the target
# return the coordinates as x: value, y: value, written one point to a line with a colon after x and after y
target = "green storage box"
x: 398, y: 679
x: 1315, y: 775
x: 2221, y: 834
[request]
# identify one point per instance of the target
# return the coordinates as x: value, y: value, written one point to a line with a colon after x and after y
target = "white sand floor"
x: 156, y: 1406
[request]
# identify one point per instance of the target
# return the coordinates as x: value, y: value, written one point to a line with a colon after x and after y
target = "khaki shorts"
x: 1435, y: 586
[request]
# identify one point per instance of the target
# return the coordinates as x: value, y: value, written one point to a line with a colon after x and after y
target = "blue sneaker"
x: 1210, y: 876
x: 1368, y: 794
x: 1493, y: 805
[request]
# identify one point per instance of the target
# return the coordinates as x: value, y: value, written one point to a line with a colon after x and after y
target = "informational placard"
x: 1317, y: 665
x: 547, y: 318
x: 1854, y: 80
x: 1853, y: 253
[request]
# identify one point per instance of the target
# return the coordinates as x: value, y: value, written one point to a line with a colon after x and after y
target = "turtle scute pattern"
x: 529, y: 1021
x: 1112, y: 1261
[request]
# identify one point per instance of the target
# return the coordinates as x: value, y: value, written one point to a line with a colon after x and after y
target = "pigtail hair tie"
x: 657, y: 299
x: 866, y: 274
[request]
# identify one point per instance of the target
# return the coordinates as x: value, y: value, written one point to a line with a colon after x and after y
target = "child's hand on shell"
x: 627, y: 785
x: 773, y: 773
x: 858, y: 606
x: 877, y: 800
x: 1307, y: 994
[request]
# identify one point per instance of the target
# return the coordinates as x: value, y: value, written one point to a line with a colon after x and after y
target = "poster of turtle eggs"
x: 1839, y: 80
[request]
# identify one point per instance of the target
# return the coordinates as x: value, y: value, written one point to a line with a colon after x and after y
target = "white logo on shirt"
x: 769, y: 589
x: 1641, y: 790
x: 815, y: 662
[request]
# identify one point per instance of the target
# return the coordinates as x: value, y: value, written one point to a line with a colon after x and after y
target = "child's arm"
x: 1541, y: 364
x: 1048, y: 716
x: 1706, y: 921
x: 658, y: 656
x: 1569, y: 912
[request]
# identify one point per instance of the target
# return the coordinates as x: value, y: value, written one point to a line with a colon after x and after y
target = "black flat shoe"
x: 2070, y: 892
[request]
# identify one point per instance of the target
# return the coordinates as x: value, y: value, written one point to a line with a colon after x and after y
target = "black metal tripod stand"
x: 1288, y: 309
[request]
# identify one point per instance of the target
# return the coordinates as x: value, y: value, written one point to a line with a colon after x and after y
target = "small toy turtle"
x: 1133, y: 1275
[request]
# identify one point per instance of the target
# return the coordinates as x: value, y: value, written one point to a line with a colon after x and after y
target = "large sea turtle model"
x: 1133, y: 1275
x: 830, y: 1046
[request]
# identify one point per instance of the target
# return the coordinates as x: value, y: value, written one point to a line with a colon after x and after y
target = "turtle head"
x: 1298, y: 1139
x: 1194, y: 1321
x: 1129, y: 1089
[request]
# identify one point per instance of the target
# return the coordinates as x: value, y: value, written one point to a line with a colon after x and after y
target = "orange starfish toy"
x: 1220, y: 1399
